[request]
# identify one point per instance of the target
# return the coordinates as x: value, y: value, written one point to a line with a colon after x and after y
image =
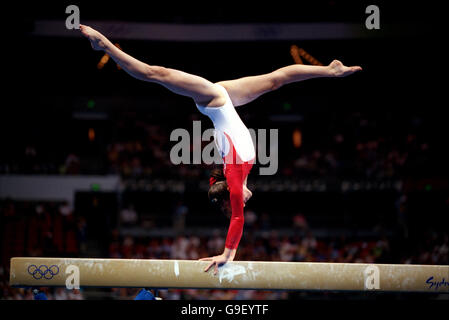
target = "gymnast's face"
x: 226, y: 208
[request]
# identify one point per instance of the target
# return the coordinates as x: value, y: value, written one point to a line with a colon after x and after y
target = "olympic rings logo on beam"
x: 43, y: 271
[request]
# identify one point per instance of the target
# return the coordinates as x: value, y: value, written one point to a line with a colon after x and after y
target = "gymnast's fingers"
x: 205, y: 259
x: 216, y: 268
x: 209, y: 266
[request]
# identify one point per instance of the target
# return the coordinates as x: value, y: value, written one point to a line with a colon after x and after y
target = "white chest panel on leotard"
x: 226, y: 120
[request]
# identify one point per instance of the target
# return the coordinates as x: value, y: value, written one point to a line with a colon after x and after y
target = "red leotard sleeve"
x: 235, y: 177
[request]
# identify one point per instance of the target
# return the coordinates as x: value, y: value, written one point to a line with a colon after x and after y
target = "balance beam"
x: 134, y: 273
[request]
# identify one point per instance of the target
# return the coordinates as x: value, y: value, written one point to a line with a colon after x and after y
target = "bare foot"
x: 340, y: 70
x: 97, y: 40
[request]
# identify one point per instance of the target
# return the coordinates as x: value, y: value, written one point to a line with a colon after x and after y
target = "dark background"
x: 398, y: 101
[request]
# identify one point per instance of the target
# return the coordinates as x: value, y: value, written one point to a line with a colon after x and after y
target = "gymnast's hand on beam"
x: 217, y: 261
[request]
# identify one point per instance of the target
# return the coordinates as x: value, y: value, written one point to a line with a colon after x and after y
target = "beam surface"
x: 55, y: 272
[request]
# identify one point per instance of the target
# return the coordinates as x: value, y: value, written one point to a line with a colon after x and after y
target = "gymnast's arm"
x: 234, y: 178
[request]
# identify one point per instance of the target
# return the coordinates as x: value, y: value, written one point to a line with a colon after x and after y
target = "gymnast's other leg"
x: 245, y: 90
x: 202, y: 91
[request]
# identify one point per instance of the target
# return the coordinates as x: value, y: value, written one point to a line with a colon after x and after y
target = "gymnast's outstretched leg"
x: 245, y: 90
x: 202, y: 91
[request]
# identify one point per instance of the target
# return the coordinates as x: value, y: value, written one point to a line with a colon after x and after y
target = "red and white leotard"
x: 237, y: 150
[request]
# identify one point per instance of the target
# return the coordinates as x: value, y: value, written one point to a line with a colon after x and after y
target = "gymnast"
x: 218, y: 101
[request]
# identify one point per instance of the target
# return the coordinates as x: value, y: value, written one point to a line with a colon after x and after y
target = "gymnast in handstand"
x: 218, y: 102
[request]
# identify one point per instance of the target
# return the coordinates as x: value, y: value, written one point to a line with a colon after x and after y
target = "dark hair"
x: 218, y: 190
x: 216, y: 175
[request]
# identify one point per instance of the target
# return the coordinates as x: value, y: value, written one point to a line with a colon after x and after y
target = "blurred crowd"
x: 52, y: 230
x: 40, y: 228
x: 37, y: 229
x: 355, y: 146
